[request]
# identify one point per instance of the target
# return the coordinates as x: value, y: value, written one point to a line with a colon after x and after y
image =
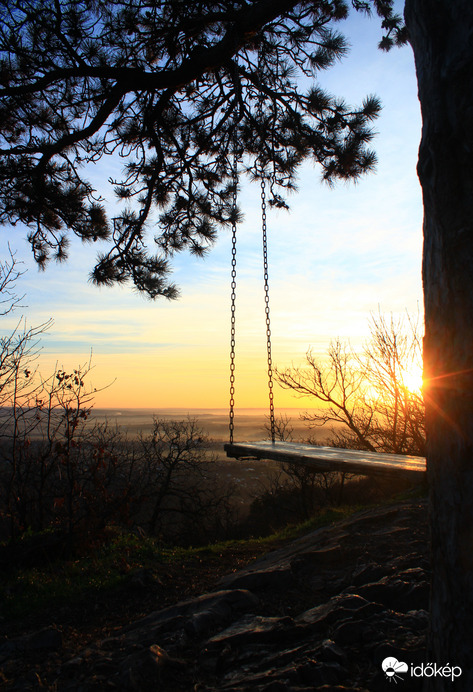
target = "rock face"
x: 320, y: 614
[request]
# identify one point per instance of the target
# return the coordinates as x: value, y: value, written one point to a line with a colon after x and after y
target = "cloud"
x: 338, y: 255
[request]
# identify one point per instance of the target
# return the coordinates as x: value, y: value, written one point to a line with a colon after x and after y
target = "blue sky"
x: 340, y: 254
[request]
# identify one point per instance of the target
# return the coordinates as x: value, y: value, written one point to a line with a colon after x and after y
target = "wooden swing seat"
x: 331, y: 458
x: 318, y: 458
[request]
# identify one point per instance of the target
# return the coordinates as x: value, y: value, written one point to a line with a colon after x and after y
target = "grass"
x: 28, y: 591
x: 107, y: 567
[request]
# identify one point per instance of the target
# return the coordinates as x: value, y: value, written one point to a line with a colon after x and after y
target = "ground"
x: 321, y: 612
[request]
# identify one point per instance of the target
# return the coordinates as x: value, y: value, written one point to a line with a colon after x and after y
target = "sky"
x: 338, y: 256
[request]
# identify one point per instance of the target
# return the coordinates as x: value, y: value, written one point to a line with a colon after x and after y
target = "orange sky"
x: 337, y: 256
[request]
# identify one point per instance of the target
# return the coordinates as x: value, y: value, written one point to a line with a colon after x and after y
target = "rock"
x: 351, y: 632
x: 327, y: 557
x: 417, y: 619
x: 401, y: 591
x: 329, y: 608
x: 260, y: 580
x: 365, y: 574
x: 8, y: 649
x: 337, y: 608
x: 251, y: 629
x: 317, y: 674
x: 331, y: 652
x: 276, y: 686
x: 194, y: 617
x: 142, y: 669
x: 340, y: 688
x: 219, y: 609
x: 49, y: 639
x: 204, y: 621
x: 382, y: 651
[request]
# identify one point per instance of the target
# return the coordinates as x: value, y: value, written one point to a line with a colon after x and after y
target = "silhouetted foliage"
x: 79, y: 478
x: 287, y: 498
x: 305, y: 488
x: 42, y: 478
x: 176, y: 90
x: 183, y: 501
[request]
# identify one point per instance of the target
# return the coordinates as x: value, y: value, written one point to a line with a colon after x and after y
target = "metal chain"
x: 266, y: 310
x: 233, y: 304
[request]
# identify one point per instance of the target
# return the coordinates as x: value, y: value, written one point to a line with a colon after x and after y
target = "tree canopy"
x: 179, y: 91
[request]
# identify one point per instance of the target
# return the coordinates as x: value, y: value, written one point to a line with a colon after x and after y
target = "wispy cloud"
x: 338, y: 255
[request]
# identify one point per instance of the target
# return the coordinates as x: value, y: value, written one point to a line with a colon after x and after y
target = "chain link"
x: 266, y: 310
x: 233, y: 304
x: 233, y: 309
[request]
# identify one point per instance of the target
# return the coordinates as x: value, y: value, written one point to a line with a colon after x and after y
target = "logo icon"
x: 392, y: 668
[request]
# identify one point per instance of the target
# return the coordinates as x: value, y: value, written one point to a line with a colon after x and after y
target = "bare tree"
x: 172, y: 77
x: 392, y: 355
x: 313, y: 488
x: 181, y: 487
x: 367, y: 395
x: 10, y: 272
x: 38, y: 447
x: 283, y: 428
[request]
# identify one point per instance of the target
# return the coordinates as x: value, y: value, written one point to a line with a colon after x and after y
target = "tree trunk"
x: 441, y: 34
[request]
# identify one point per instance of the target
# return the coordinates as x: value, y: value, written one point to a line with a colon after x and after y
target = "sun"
x: 412, y: 379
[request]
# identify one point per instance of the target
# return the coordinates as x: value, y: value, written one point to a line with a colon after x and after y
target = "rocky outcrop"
x: 322, y: 613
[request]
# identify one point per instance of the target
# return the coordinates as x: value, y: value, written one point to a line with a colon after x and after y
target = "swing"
x: 315, y: 457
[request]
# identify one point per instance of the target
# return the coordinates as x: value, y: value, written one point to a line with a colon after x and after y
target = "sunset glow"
x: 338, y: 256
x: 413, y: 380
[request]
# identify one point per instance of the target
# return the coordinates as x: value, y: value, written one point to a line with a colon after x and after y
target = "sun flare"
x: 413, y: 380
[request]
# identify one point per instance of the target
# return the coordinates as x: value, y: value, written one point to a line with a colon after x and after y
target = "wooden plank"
x: 331, y: 458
